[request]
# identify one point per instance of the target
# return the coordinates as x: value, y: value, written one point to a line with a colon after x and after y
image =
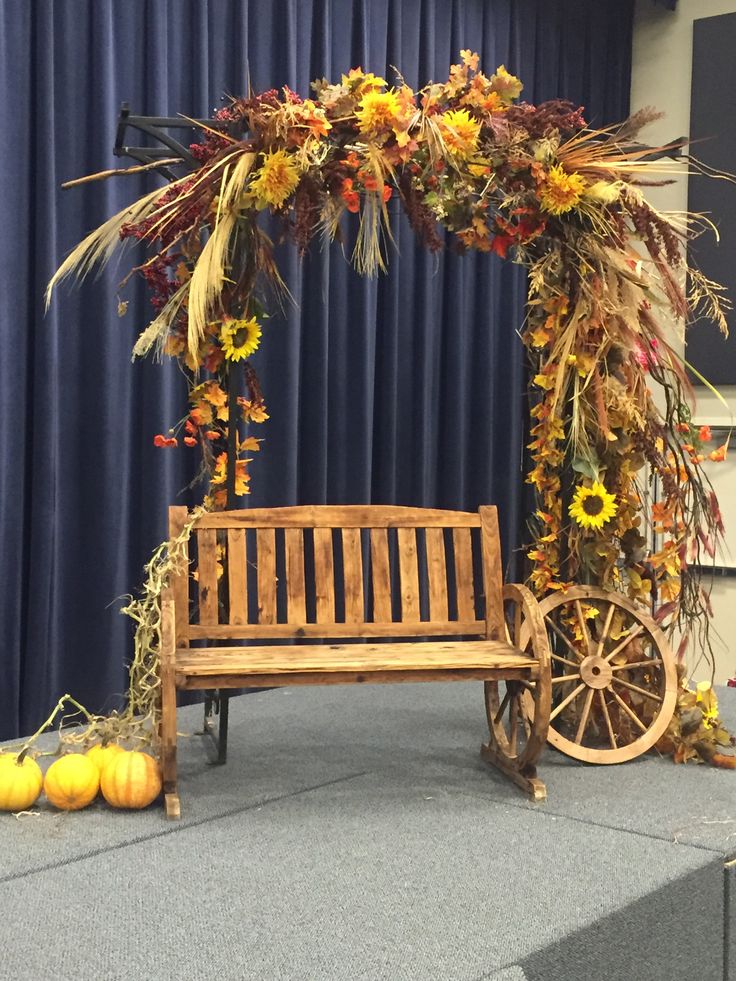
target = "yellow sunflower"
x: 276, y: 178
x: 240, y: 338
x: 593, y: 506
x: 561, y: 191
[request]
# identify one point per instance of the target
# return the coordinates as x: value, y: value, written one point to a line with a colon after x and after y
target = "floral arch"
x: 532, y: 183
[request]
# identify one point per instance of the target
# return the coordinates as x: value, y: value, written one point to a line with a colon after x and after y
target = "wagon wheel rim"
x: 516, y: 732
x: 614, y: 680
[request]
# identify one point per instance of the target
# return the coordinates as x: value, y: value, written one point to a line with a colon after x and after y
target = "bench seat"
x: 475, y: 658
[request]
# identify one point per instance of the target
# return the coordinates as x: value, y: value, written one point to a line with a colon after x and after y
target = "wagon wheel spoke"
x: 629, y: 711
x: 607, y: 717
x: 629, y: 666
x: 564, y: 660
x: 502, y: 707
x: 566, y: 701
x: 583, y: 625
x: 606, y: 627
x: 565, y: 677
x: 625, y: 642
x: 585, y: 716
x: 513, y: 723
x: 638, y: 690
x: 566, y: 640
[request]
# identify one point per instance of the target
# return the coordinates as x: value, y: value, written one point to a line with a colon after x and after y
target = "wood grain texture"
x: 381, y: 576
x: 462, y: 547
x: 266, y: 566
x: 295, y: 591
x: 180, y: 583
x: 255, y: 631
x: 444, y: 655
x: 207, y: 575
x: 409, y: 575
x: 352, y: 562
x: 492, y: 570
x: 324, y: 575
x: 205, y: 682
x: 345, y: 516
x: 437, y: 574
x: 236, y: 577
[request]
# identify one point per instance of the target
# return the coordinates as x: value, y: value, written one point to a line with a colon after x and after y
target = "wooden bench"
x: 356, y: 594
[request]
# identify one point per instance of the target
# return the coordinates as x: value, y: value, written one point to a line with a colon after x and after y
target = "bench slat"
x: 236, y: 576
x: 266, y: 559
x: 381, y: 575
x: 407, y: 538
x: 295, y: 593
x: 207, y: 575
x: 464, y: 573
x: 255, y: 631
x: 437, y: 574
x: 445, y: 655
x: 324, y: 575
x: 336, y: 516
x: 178, y: 517
x: 352, y: 563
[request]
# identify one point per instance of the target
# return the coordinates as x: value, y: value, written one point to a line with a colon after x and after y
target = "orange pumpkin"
x: 131, y: 780
x: 101, y: 755
x: 72, y: 782
x: 20, y: 783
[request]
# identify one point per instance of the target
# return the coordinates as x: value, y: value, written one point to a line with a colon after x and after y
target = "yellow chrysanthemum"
x: 561, y: 191
x: 377, y: 112
x: 593, y: 506
x: 276, y: 178
x: 240, y: 338
x: 460, y: 132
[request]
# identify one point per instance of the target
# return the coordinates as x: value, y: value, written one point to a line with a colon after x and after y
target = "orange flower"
x: 161, y: 440
x: 190, y: 441
x: 719, y: 455
x: 212, y: 434
x: 704, y: 434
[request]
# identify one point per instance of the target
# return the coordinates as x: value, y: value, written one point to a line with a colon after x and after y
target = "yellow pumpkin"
x: 20, y: 783
x: 131, y: 780
x: 101, y: 755
x: 72, y: 782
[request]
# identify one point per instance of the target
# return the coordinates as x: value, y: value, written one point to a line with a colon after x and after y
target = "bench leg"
x: 525, y: 778
x: 168, y: 744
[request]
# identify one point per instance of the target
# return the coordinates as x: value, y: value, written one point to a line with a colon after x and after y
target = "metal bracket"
x: 217, y: 703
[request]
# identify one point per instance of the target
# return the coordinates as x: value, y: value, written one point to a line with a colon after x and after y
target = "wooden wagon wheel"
x: 614, y: 682
x: 517, y: 737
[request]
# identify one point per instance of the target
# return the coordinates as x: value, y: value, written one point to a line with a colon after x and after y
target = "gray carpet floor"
x: 356, y: 834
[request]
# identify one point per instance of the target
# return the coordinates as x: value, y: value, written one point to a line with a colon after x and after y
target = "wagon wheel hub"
x: 596, y: 672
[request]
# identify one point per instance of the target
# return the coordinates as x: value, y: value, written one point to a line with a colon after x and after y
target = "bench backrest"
x: 329, y: 572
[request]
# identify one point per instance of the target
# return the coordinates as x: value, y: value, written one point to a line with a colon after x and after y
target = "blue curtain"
x: 409, y: 389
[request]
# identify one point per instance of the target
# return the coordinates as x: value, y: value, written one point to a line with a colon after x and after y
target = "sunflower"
x: 240, y: 338
x: 593, y: 506
x: 275, y: 179
x: 561, y: 191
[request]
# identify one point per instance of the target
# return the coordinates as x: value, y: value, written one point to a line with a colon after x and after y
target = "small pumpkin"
x: 72, y: 782
x: 20, y: 782
x: 101, y: 755
x: 131, y: 780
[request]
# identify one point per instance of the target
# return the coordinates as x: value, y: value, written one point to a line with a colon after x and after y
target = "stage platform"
x: 356, y: 834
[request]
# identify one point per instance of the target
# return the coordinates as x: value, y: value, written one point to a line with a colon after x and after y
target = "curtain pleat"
x: 407, y: 389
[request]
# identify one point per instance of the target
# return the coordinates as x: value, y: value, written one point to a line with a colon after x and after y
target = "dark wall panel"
x: 713, y: 120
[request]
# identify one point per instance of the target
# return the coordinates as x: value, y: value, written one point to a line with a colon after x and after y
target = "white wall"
x: 661, y: 76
